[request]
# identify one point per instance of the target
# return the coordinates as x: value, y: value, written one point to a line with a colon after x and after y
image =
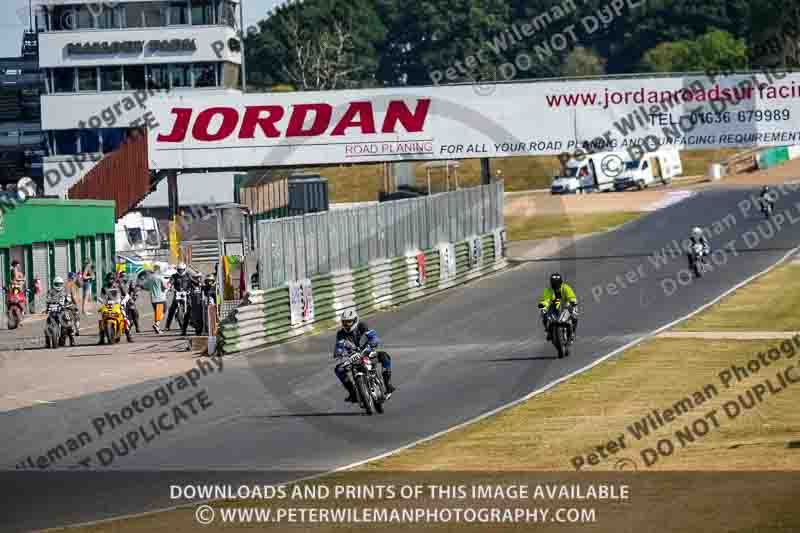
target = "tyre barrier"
x: 307, y: 306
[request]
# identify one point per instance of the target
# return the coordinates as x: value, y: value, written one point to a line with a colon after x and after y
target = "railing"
x: 302, y: 247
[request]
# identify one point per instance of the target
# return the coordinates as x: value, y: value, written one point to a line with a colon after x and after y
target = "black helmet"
x: 555, y: 281
x: 764, y: 189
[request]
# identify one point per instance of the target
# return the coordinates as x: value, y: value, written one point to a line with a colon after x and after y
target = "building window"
x: 133, y: 15
x: 62, y: 18
x: 228, y: 15
x: 180, y: 76
x: 134, y: 78
x: 90, y: 141
x: 64, y: 80
x: 111, y: 78
x: 205, y: 75
x: 84, y: 19
x: 202, y: 12
x: 66, y: 142
x: 178, y: 13
x: 158, y: 77
x: 87, y: 79
x: 112, y: 139
x: 109, y: 18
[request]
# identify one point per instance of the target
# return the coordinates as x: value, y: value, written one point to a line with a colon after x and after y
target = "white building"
x: 104, y: 60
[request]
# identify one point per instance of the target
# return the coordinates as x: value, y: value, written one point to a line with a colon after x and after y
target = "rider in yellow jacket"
x: 558, y: 290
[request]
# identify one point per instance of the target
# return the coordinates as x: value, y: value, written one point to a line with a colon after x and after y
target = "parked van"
x: 137, y: 233
x: 655, y: 167
x: 592, y: 172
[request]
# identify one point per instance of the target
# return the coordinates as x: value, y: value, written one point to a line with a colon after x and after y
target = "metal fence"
x: 301, y: 247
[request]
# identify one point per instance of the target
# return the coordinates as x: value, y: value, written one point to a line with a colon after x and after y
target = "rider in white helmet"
x: 179, y: 281
x: 699, y: 237
x: 59, y: 294
x: 357, y: 332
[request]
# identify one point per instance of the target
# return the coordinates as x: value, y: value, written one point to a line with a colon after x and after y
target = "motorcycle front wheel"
x: 111, y: 333
x: 381, y: 397
x: 560, y: 340
x: 366, y: 398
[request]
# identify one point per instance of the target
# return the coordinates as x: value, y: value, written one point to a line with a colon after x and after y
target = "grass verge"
x: 521, y: 228
x: 767, y: 304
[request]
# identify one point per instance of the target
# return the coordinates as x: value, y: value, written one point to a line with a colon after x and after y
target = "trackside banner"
x: 471, y: 121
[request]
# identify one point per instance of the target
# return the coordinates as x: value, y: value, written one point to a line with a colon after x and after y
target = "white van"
x: 655, y: 167
x: 592, y: 172
x: 137, y: 233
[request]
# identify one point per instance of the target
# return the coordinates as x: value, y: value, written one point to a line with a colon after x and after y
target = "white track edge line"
x: 467, y: 422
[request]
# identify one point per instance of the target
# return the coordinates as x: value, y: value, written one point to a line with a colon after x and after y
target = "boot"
x: 387, y: 380
x: 351, y: 391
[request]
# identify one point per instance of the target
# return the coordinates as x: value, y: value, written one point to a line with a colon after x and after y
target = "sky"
x: 14, y: 19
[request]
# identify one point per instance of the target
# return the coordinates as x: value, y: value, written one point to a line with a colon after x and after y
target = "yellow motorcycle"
x: 113, y: 322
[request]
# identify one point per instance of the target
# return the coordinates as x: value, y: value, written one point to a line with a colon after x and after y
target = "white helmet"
x: 697, y: 232
x: 58, y: 283
x: 349, y: 320
x: 181, y: 268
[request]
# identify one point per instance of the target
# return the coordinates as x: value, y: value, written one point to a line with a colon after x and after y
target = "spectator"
x: 17, y: 277
x: 71, y: 286
x: 87, y: 276
x: 154, y: 284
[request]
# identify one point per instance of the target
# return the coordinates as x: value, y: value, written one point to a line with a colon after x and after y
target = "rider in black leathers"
x: 360, y: 335
x: 179, y: 281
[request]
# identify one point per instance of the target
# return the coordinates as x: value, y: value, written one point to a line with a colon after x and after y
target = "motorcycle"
x: 53, y: 326
x: 181, y: 298
x: 15, y: 306
x: 766, y: 208
x: 362, y: 370
x: 59, y: 325
x: 113, y: 322
x: 559, y: 323
x: 697, y: 262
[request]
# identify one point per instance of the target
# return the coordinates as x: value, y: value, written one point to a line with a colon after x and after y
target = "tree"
x: 583, y: 62
x: 429, y: 36
x: 716, y: 51
x: 316, y: 45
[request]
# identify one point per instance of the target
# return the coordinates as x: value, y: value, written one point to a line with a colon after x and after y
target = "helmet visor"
x: 347, y: 324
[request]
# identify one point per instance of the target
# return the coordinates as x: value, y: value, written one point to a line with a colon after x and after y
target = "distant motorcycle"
x: 558, y: 318
x: 15, y: 306
x: 362, y: 370
x: 697, y: 260
x: 113, y: 323
x: 766, y: 208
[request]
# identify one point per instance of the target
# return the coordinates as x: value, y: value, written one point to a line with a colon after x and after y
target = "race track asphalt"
x: 278, y: 413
